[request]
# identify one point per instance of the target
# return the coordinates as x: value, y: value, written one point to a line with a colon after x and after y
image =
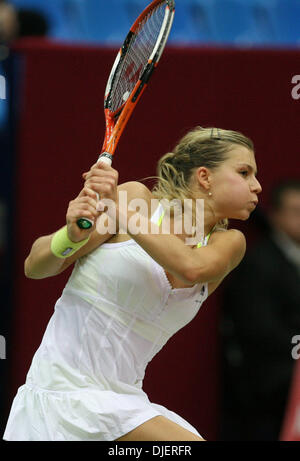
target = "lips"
x: 254, y: 203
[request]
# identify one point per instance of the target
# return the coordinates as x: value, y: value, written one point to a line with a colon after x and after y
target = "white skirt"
x: 84, y: 415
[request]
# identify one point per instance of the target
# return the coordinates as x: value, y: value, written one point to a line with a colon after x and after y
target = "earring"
x: 210, y: 194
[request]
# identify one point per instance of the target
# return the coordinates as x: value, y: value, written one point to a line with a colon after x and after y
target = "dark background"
x: 58, y: 128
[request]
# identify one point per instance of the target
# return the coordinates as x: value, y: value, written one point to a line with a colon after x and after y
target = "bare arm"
x: 41, y: 262
x: 191, y: 265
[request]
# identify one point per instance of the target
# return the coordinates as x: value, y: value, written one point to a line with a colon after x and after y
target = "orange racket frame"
x: 116, y: 121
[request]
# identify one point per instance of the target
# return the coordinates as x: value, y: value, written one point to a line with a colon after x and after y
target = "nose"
x: 255, y: 186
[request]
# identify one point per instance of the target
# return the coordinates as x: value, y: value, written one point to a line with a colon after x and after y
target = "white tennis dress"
x: 116, y: 312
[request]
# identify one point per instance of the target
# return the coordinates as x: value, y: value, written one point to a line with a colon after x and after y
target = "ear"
x: 203, y: 176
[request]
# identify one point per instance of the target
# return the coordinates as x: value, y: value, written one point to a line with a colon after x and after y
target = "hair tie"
x: 212, y: 134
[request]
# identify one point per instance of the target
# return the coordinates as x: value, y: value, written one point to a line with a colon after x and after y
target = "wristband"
x: 62, y: 246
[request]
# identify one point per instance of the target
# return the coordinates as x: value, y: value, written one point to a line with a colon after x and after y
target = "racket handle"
x: 86, y: 223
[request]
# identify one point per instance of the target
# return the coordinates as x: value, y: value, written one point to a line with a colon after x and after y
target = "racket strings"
x: 137, y: 56
x: 147, y: 34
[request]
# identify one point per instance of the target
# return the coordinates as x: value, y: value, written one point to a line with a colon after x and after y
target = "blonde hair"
x: 207, y: 147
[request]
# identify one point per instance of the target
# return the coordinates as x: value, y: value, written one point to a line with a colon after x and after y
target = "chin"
x: 245, y: 218
x: 242, y: 216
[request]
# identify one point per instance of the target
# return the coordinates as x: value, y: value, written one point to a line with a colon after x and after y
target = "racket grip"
x: 86, y: 223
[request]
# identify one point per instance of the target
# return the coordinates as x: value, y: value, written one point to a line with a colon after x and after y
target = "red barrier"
x: 61, y: 131
x: 291, y: 427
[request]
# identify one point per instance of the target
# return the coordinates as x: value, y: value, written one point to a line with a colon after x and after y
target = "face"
x: 8, y: 22
x: 234, y: 186
x: 287, y: 218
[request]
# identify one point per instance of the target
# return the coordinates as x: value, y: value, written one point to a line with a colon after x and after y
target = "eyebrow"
x: 249, y: 166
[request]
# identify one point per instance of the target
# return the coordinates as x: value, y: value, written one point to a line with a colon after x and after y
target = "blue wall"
x: 234, y: 22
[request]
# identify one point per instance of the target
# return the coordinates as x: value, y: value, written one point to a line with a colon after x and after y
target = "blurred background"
x: 228, y: 63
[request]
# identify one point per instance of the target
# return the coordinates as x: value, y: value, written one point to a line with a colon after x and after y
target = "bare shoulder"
x: 229, y: 248
x: 136, y: 196
x: 232, y: 237
x: 231, y: 243
x: 135, y: 189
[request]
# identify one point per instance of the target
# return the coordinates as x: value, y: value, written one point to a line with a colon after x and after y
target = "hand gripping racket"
x: 130, y: 74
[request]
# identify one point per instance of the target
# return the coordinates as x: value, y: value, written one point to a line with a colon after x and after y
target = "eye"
x: 244, y: 172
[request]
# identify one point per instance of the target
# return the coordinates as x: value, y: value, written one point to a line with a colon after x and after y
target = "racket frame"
x: 114, y: 129
x: 116, y: 121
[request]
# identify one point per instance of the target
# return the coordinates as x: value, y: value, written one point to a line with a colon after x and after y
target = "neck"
x: 209, y: 214
x: 210, y: 219
x: 205, y: 218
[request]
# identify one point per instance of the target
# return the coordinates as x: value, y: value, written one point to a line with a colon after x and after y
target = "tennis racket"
x: 131, y: 72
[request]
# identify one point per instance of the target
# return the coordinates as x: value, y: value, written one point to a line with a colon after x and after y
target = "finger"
x: 96, y: 173
x: 86, y: 200
x: 90, y: 192
x: 101, y: 188
x: 100, y: 206
x: 95, y: 181
x: 100, y: 179
x: 94, y: 166
x: 100, y: 165
x: 83, y: 209
x: 87, y: 192
x: 103, y: 165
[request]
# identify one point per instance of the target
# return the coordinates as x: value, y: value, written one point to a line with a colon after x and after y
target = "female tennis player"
x: 130, y: 292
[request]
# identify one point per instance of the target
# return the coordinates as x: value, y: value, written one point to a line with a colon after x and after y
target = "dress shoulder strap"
x: 157, y: 218
x: 158, y: 215
x: 204, y: 242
